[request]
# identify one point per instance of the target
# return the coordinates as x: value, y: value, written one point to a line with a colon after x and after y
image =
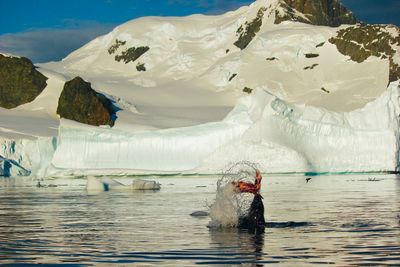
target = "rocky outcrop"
x: 317, y: 12
x: 363, y: 41
x: 20, y: 82
x: 118, y: 43
x: 130, y: 54
x: 79, y: 102
x: 248, y: 31
x: 140, y: 67
x: 247, y: 90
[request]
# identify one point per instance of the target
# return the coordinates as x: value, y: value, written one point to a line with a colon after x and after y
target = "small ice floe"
x: 199, y: 214
x: 107, y: 184
x: 145, y: 185
x: 103, y: 184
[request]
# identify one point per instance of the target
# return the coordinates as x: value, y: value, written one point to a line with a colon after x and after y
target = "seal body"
x: 254, y: 221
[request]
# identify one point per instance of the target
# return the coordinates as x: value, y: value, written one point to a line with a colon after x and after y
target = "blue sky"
x: 45, y: 30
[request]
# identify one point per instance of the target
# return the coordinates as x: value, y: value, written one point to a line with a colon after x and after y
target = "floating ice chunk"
x: 103, y: 184
x: 145, y: 185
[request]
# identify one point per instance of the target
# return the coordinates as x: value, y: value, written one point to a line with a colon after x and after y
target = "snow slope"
x: 187, y: 111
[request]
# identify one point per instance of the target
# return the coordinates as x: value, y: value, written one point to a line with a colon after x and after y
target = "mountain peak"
x: 317, y: 12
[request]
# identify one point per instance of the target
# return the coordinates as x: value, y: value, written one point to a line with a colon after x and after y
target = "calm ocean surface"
x: 352, y: 220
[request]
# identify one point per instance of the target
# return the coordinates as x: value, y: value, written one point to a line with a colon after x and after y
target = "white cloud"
x: 43, y: 45
x: 214, y: 6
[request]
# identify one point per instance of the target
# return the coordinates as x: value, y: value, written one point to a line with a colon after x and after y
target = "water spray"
x: 229, y: 206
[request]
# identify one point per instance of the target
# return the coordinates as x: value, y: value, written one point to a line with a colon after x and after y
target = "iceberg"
x: 299, y: 138
x: 170, y: 150
x: 276, y: 135
x: 262, y: 128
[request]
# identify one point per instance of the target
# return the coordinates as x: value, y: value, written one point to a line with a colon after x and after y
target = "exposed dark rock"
x: 131, y: 54
x: 20, y: 82
x: 247, y: 90
x: 316, y: 12
x: 79, y: 102
x: 320, y: 45
x: 227, y: 51
x: 248, y: 31
x: 326, y: 91
x: 311, y: 55
x: 311, y: 67
x: 115, y: 46
x: 362, y: 41
x: 394, y: 71
x: 232, y: 76
x: 140, y: 67
x: 271, y: 58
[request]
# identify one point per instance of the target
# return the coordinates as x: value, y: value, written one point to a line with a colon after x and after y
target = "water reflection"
x: 242, y: 246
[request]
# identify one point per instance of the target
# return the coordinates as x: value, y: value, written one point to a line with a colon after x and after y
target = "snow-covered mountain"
x: 295, y: 86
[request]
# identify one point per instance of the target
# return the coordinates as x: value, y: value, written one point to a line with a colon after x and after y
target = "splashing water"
x: 229, y: 206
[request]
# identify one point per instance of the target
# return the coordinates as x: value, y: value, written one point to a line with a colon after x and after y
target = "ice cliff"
x: 262, y: 128
x: 298, y: 138
x: 23, y: 157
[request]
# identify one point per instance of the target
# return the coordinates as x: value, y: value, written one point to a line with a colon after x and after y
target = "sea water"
x: 350, y: 220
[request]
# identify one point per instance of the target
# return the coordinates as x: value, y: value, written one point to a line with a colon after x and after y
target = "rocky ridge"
x: 317, y: 12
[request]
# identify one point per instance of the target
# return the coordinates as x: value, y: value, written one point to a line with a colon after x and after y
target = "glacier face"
x: 278, y: 136
x: 170, y: 150
x: 23, y: 157
x: 299, y: 138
